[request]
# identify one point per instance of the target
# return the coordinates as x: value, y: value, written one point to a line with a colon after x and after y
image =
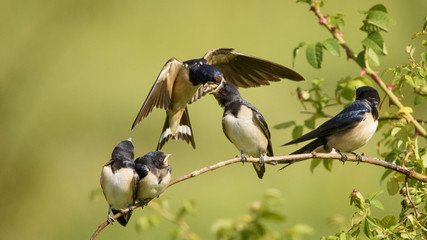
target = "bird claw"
x: 343, y: 157
x: 110, y: 220
x: 244, y: 158
x: 359, y: 158
x: 261, y: 160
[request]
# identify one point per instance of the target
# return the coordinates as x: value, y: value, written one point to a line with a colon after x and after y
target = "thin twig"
x: 409, y: 197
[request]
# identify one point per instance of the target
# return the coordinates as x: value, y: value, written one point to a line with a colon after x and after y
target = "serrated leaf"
x: 379, y: 19
x: 314, y: 54
x: 327, y: 163
x: 315, y: 162
x: 284, y: 125
x: 392, y: 186
x: 377, y: 204
x: 332, y: 46
x: 375, y: 41
x: 297, y: 132
x: 388, y: 221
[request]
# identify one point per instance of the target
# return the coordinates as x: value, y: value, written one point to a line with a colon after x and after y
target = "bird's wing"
x: 247, y: 71
x: 346, y: 119
x: 140, y: 168
x: 202, y: 91
x: 262, y: 124
x: 161, y: 93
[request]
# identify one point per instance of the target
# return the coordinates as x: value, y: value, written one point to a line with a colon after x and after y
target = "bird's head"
x: 369, y: 94
x: 226, y: 92
x: 123, y: 150
x: 156, y: 158
x: 202, y: 74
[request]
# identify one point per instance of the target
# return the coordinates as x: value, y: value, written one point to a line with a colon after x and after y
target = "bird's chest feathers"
x: 355, y: 138
x: 183, y: 90
x: 149, y: 186
x: 244, y: 133
x: 118, y: 186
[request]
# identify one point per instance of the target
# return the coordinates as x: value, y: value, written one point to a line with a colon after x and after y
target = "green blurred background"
x: 73, y: 75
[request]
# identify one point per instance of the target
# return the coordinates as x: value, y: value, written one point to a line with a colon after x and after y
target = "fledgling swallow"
x: 119, y: 181
x: 181, y: 83
x: 349, y: 130
x: 244, y: 125
x: 154, y: 175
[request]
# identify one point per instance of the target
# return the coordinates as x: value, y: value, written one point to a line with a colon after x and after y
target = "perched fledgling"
x: 349, y: 130
x: 119, y: 181
x: 244, y: 125
x: 154, y: 175
x: 181, y: 83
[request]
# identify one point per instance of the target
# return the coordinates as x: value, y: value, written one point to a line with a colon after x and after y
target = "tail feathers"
x: 260, y: 170
x: 309, y: 147
x: 124, y: 219
x: 185, y: 132
x: 306, y: 149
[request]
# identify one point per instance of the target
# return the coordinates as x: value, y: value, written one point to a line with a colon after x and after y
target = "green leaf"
x: 373, y: 57
x: 377, y: 204
x: 332, y: 46
x: 393, y: 186
x: 295, y: 52
x: 297, y: 132
x: 388, y: 221
x: 272, y: 216
x: 285, y: 125
x: 310, y: 122
x: 328, y: 164
x: 375, y: 41
x: 365, y: 227
x: 378, y: 7
x: 314, y: 54
x: 314, y: 163
x: 374, y: 194
x: 386, y: 173
x: 379, y: 19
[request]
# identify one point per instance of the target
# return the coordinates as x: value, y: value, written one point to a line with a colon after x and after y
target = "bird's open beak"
x: 129, y: 139
x: 165, y: 161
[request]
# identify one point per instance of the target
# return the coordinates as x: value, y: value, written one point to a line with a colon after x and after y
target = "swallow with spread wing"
x: 181, y: 83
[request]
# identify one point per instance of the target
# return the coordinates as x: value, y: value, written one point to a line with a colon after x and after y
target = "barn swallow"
x: 154, y: 175
x: 181, y: 83
x: 244, y: 125
x: 119, y: 181
x: 349, y: 130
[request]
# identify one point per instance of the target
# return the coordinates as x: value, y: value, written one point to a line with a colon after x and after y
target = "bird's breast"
x: 183, y: 90
x: 149, y: 186
x: 244, y: 133
x: 119, y: 186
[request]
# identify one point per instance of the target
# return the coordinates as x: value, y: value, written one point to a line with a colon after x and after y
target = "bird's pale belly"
x: 245, y: 135
x: 118, y: 187
x: 150, y: 187
x: 349, y: 141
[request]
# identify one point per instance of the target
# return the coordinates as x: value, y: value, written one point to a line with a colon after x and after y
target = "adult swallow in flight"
x: 154, y: 175
x: 119, y: 181
x: 349, y: 130
x: 181, y: 83
x: 244, y: 125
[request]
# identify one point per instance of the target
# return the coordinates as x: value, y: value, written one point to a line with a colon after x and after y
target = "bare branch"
x: 409, y: 172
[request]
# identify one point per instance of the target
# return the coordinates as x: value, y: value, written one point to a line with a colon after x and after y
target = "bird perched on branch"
x: 349, y: 130
x: 119, y: 181
x: 244, y: 125
x: 181, y: 83
x: 154, y: 175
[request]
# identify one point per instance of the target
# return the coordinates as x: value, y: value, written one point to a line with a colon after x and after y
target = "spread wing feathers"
x: 247, y: 71
x: 202, y: 91
x: 185, y: 132
x: 160, y: 94
x: 347, y: 118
